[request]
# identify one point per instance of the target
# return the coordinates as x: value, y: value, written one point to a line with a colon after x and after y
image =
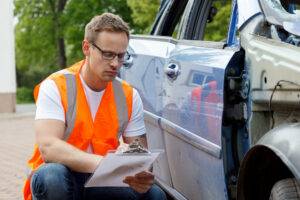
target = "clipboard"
x: 114, y: 167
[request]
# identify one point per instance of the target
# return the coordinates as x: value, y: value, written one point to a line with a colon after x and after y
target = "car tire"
x: 286, y: 189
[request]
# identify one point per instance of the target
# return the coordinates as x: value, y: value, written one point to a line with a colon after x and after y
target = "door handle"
x: 172, y: 71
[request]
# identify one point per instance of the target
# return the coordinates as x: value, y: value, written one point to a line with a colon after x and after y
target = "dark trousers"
x: 53, y: 181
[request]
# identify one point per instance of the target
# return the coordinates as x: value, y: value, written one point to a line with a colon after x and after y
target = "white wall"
x: 7, y: 48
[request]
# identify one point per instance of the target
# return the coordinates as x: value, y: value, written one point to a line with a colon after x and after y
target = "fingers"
x: 144, y: 181
x: 144, y: 175
x: 141, y: 182
x: 136, y: 185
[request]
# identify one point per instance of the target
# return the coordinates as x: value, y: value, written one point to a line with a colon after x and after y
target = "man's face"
x: 105, y: 55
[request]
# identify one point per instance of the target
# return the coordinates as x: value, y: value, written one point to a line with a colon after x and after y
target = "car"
x: 225, y: 112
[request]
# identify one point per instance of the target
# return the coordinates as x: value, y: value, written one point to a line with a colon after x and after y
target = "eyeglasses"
x: 108, y: 55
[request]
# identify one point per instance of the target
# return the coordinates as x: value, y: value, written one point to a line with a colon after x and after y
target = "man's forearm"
x: 58, y: 151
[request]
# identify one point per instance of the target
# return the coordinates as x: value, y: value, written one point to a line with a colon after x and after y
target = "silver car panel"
x: 172, y: 121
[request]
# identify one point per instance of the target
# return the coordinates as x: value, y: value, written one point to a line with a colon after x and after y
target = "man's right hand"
x: 141, y: 182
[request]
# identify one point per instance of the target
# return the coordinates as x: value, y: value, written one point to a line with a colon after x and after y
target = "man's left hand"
x: 141, y: 182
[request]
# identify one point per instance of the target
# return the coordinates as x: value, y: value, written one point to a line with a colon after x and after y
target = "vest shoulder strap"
x: 121, y: 104
x: 71, y: 105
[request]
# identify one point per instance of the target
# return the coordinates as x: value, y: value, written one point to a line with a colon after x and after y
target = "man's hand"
x: 141, y: 182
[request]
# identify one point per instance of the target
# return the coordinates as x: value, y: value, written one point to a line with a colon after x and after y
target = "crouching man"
x: 81, y: 113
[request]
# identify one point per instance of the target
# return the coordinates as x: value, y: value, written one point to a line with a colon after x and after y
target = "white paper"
x: 113, y: 168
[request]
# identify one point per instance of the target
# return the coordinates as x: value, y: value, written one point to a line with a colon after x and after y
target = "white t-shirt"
x: 49, y: 106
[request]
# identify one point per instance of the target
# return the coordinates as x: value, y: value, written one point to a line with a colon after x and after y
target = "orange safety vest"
x: 110, y: 121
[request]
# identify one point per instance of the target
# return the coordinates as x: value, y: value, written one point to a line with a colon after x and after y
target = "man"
x: 81, y: 111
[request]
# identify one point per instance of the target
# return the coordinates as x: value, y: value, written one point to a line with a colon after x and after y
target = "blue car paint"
x: 231, y: 37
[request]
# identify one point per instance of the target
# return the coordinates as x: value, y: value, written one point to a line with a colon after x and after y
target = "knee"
x: 49, y: 177
x: 156, y: 193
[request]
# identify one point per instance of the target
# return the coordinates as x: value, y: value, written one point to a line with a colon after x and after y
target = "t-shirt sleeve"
x: 136, y: 125
x: 48, y: 105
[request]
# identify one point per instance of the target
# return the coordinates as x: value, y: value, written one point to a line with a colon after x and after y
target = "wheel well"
x: 259, y: 171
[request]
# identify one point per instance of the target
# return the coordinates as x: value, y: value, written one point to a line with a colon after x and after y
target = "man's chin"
x: 109, y: 78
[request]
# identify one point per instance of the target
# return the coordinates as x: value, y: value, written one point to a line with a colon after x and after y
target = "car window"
x: 177, y: 29
x: 206, y: 20
x: 218, y: 21
x: 297, y: 11
x: 195, y: 20
x: 170, y: 19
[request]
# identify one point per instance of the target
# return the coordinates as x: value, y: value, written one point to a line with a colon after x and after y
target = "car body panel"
x: 284, y: 140
x: 273, y: 158
x: 206, y: 103
x: 172, y: 121
x: 274, y: 69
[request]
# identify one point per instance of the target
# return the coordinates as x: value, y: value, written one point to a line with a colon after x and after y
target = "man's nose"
x: 115, y: 62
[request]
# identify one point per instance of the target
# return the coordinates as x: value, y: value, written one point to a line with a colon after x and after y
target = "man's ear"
x: 86, y: 47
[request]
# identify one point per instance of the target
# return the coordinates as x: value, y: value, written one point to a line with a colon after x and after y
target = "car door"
x: 180, y: 79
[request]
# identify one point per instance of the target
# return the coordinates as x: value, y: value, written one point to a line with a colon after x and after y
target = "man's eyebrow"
x: 108, y: 51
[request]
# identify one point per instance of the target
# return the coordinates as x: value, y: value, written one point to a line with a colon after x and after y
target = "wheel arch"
x: 274, y: 157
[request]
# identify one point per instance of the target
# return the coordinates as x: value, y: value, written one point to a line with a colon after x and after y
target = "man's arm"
x: 49, y: 134
x: 142, y: 181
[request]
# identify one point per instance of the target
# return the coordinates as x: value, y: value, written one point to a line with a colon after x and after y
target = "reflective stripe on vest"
x: 121, y: 105
x: 72, y: 102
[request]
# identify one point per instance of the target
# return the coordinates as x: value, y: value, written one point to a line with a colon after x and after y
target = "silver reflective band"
x: 120, y: 101
x: 121, y: 105
x: 72, y: 101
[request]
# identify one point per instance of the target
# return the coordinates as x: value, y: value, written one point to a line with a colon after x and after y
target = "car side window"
x: 195, y: 20
x: 177, y: 29
x: 205, y: 20
x: 218, y: 21
x: 168, y: 24
x: 297, y: 11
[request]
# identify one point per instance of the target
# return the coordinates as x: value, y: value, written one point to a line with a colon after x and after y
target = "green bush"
x: 24, y: 95
x: 217, y: 29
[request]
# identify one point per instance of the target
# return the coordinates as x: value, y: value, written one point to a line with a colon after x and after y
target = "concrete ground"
x: 16, y: 145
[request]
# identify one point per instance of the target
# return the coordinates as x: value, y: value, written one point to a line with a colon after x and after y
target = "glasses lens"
x: 121, y: 56
x: 111, y: 55
x: 108, y: 55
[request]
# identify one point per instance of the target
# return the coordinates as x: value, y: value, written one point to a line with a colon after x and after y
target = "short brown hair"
x: 105, y: 22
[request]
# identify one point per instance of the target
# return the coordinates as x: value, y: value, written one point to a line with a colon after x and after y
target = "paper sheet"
x: 113, y: 168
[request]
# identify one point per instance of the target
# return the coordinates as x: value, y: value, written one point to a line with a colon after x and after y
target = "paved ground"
x: 16, y: 144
